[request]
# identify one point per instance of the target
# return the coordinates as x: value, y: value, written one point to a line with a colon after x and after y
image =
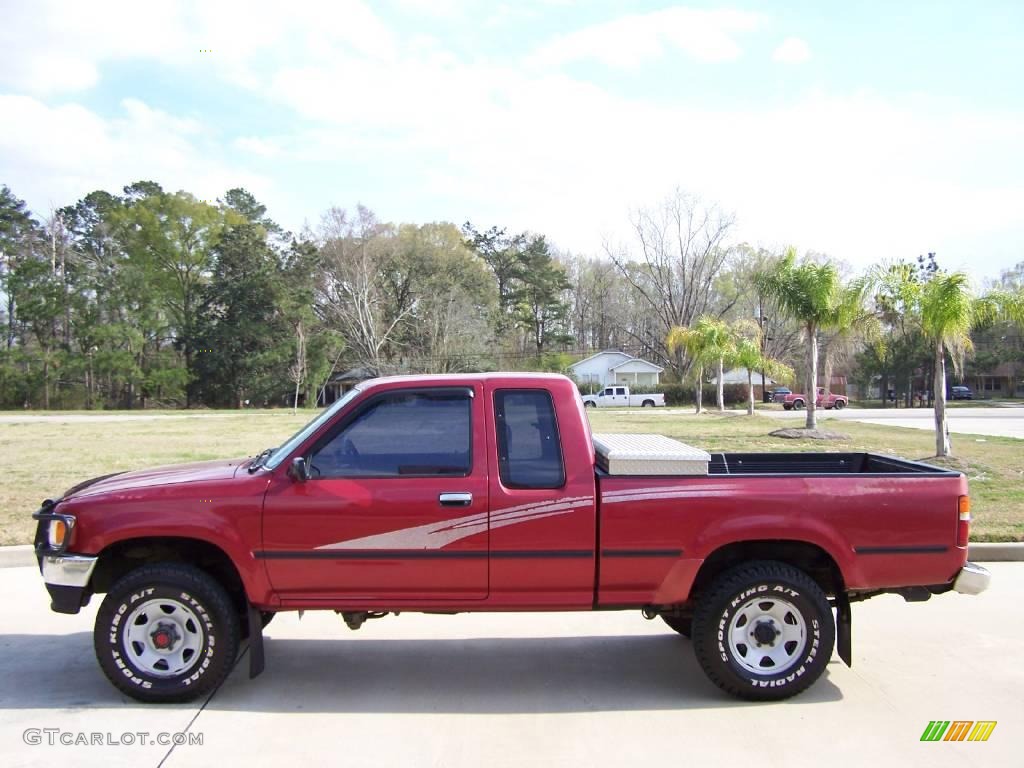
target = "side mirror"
x: 298, y: 471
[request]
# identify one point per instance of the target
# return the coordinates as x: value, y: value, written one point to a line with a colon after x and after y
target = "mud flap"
x: 256, y: 661
x: 844, y: 621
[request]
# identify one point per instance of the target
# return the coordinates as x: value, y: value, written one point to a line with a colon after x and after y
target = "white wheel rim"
x: 163, y: 638
x: 759, y: 619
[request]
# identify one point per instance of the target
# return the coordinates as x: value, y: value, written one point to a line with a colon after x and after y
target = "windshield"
x: 303, y: 434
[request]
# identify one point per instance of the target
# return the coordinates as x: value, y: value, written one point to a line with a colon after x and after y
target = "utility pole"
x: 762, y: 322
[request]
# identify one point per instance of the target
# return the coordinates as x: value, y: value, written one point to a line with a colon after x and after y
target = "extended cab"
x: 485, y: 493
x: 619, y: 397
x: 794, y: 401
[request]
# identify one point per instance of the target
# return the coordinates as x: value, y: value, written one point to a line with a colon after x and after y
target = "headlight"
x: 59, y: 531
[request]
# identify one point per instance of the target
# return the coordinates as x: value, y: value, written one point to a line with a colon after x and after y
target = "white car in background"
x: 619, y: 397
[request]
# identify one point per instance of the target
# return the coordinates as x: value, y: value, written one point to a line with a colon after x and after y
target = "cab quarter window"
x: 401, y: 434
x: 529, y: 451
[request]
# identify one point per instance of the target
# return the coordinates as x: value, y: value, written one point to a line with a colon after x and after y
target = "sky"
x: 867, y: 131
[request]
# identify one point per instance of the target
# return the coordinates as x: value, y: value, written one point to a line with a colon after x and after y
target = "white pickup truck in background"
x: 619, y: 397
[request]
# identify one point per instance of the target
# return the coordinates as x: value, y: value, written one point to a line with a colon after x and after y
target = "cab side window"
x: 401, y: 434
x: 529, y: 449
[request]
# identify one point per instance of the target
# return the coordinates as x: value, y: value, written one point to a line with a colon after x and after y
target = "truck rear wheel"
x: 166, y: 633
x: 647, y: 404
x: 840, y: 404
x: 763, y: 631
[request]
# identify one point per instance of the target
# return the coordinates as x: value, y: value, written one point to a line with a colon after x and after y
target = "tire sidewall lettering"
x: 810, y: 655
x: 117, y: 629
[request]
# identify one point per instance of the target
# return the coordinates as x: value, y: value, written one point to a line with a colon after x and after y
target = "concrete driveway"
x: 995, y: 421
x: 589, y: 690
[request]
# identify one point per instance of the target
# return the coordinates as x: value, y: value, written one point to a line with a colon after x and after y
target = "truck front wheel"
x: 763, y: 631
x: 166, y: 633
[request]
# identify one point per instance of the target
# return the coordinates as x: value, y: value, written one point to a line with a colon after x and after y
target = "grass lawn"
x: 42, y: 459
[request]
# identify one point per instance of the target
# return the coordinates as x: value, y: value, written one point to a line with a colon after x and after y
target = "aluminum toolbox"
x: 648, y: 455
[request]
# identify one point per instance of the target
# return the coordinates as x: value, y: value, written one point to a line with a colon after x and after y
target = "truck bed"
x: 887, y: 522
x: 818, y: 464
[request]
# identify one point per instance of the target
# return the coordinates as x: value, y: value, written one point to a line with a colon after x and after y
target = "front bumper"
x: 68, y: 570
x: 972, y: 579
x: 67, y: 580
x: 67, y: 576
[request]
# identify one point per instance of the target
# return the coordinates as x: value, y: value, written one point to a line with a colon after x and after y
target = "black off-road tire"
x: 840, y: 404
x: 647, y: 404
x: 217, y: 632
x: 681, y: 624
x: 798, y: 405
x: 728, y: 594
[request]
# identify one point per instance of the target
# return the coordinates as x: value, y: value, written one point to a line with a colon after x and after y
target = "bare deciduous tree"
x: 682, y: 249
x: 297, y: 370
x: 353, y: 294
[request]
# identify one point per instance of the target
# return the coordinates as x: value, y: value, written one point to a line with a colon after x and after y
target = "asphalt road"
x: 586, y: 690
x: 996, y: 421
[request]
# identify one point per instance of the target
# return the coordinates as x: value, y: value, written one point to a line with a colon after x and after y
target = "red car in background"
x: 794, y: 401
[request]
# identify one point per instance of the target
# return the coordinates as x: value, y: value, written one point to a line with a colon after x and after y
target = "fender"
x: 232, y: 525
x: 802, y: 530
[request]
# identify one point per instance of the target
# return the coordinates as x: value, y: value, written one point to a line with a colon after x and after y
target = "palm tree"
x: 812, y: 294
x: 747, y: 352
x: 945, y: 310
x: 706, y: 342
x: 853, y: 326
x: 948, y: 312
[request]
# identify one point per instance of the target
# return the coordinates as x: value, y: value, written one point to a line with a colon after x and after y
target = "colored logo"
x: 958, y: 730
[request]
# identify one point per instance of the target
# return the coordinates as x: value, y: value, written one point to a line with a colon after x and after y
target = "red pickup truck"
x: 799, y: 402
x: 484, y: 493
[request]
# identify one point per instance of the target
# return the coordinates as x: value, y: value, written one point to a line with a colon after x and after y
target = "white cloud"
x: 527, y: 146
x: 630, y: 41
x: 855, y: 176
x: 438, y: 8
x: 58, y: 154
x: 258, y: 146
x: 53, y: 47
x: 792, y: 50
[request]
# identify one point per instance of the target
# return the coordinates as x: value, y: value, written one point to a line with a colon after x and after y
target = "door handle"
x: 455, y: 499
